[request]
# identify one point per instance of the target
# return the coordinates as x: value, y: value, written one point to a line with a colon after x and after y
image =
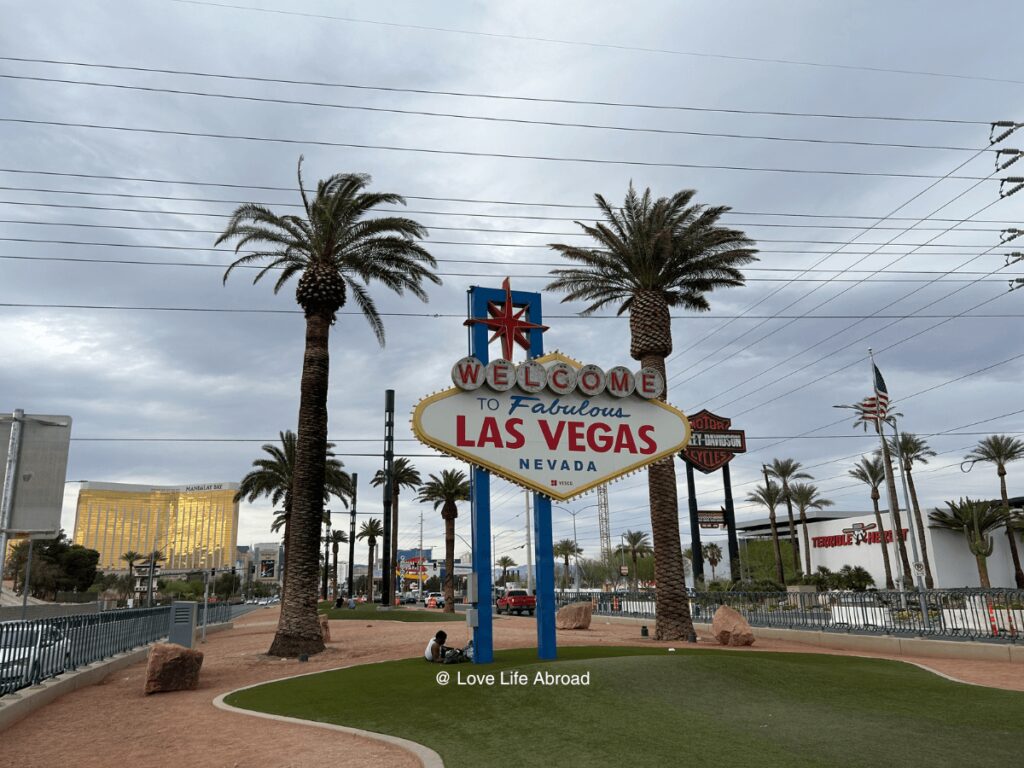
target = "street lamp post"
x: 576, y: 554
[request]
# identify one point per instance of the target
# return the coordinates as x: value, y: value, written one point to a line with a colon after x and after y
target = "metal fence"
x: 32, y: 651
x: 973, y: 614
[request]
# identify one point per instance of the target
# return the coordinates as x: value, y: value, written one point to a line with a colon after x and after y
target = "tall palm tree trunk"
x: 369, y: 574
x: 792, y: 529
x: 901, y: 545
x: 780, y: 576
x: 636, y: 572
x: 807, y: 542
x: 889, y: 583
x: 650, y: 327
x: 298, y: 630
x: 449, y: 563
x: 1018, y: 575
x: 929, y: 582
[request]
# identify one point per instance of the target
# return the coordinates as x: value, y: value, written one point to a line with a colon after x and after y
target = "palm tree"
x: 864, y: 418
x: 976, y: 520
x: 912, y: 448
x: 1001, y: 450
x: 370, y: 531
x: 770, y: 496
x: 786, y: 470
x: 272, y: 477
x: 871, y: 472
x: 647, y: 257
x: 565, y: 549
x: 338, y: 537
x: 444, y: 491
x: 713, y: 554
x: 636, y: 544
x: 403, y: 475
x: 131, y: 557
x: 335, y: 248
x: 805, y: 496
x: 505, y: 562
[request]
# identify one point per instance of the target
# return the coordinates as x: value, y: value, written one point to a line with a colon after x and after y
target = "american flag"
x: 876, y: 406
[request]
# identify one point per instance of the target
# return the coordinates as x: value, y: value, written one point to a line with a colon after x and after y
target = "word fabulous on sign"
x: 551, y: 424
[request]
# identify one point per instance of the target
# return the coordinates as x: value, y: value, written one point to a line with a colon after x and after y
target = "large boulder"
x: 730, y: 628
x: 325, y: 628
x: 574, y: 616
x: 172, y: 668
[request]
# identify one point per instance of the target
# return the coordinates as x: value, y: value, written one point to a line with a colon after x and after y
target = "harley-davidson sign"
x: 551, y: 424
x: 712, y: 443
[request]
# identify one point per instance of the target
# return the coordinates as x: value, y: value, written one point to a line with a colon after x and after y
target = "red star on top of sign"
x: 507, y: 323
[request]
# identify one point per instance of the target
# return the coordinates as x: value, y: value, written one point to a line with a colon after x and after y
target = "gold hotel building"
x: 194, y: 526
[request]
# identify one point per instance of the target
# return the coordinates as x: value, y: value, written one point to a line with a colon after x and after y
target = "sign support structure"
x: 712, y: 446
x: 483, y: 634
x: 352, y: 533
x: 7, y: 497
x: 388, y: 567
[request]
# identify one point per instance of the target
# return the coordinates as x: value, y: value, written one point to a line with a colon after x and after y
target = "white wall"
x: 952, y: 563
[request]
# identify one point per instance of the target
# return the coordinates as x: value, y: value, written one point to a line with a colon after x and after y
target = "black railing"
x: 32, y: 651
x: 994, y: 614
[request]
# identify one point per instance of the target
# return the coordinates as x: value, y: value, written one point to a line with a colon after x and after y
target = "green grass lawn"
x: 648, y: 707
x: 369, y: 612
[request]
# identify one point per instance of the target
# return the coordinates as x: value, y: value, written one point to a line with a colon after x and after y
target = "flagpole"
x: 889, y: 483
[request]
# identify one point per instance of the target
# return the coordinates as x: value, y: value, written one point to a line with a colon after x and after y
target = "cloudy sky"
x: 860, y: 222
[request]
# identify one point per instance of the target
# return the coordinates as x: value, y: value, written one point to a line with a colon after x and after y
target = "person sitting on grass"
x: 435, y: 648
x: 438, y: 653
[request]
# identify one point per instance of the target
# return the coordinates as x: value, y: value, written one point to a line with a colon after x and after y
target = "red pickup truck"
x: 518, y: 600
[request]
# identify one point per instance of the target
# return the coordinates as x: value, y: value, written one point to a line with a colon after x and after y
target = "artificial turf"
x: 370, y: 612
x: 649, y: 707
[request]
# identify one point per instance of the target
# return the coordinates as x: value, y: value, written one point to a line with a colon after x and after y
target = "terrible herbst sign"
x: 551, y: 424
x: 712, y: 444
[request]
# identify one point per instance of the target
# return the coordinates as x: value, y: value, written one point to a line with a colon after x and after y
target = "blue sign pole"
x: 483, y: 633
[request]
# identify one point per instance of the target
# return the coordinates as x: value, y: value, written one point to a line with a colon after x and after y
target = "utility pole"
x: 387, y: 567
x: 352, y: 532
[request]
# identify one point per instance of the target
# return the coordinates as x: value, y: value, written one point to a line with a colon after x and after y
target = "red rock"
x: 172, y: 668
x: 574, y: 616
x: 730, y: 628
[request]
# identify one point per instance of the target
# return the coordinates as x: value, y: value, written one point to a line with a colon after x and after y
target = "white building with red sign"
x: 852, y: 538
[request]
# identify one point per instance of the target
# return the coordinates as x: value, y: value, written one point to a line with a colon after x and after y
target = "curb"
x: 427, y: 757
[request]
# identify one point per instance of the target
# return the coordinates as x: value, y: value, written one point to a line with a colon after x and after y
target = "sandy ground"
x: 115, y: 724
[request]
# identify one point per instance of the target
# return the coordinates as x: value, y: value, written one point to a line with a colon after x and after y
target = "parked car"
x: 31, y: 652
x: 518, y: 600
x: 437, y: 597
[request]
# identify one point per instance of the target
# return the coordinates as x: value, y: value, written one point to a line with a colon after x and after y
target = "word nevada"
x: 500, y: 375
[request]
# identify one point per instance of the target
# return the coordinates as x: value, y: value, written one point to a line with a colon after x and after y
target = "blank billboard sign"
x: 41, y: 470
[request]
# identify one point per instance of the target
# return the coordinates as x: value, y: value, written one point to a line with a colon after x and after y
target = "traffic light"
x: 234, y: 571
x: 213, y: 573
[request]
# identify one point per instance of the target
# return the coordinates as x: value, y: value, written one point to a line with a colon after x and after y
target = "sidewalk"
x: 114, y: 723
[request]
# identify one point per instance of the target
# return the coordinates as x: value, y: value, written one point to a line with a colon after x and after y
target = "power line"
x: 589, y: 44
x: 494, y: 119
x: 461, y: 214
x: 858, y: 262
x: 485, y: 230
x: 209, y: 265
x: 469, y: 153
x: 787, y: 251
x: 270, y: 188
x: 238, y: 310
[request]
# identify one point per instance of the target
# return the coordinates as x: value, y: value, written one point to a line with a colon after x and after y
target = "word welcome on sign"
x: 557, y: 443
x: 561, y: 378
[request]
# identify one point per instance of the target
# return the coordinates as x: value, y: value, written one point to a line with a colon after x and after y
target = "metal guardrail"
x: 971, y: 614
x: 32, y: 651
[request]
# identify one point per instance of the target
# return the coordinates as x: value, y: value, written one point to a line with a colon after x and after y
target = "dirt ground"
x: 114, y: 723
